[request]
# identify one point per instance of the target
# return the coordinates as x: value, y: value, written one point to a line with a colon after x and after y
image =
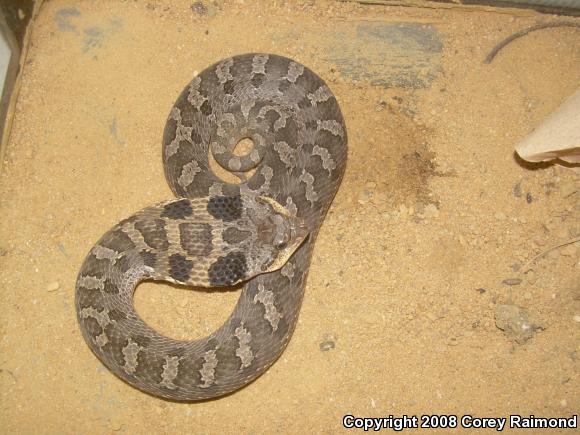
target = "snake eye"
x: 281, y: 245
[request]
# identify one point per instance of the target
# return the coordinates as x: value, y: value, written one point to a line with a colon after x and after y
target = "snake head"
x: 279, y: 233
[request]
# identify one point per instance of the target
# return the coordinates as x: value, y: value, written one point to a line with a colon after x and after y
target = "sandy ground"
x: 407, y: 280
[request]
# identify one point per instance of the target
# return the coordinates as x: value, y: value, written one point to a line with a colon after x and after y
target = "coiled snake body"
x: 219, y: 233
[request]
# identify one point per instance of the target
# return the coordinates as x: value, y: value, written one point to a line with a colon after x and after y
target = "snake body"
x: 219, y: 233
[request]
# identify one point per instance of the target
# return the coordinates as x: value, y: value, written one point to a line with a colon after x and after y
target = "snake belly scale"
x: 260, y: 231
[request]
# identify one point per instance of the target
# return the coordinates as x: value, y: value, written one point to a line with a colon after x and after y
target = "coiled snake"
x: 217, y: 233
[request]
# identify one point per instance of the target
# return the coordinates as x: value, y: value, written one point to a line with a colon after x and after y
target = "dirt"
x: 424, y: 242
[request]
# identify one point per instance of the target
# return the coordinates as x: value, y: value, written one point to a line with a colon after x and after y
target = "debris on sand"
x: 516, y: 323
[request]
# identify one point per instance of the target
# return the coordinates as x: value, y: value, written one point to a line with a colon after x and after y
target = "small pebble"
x: 327, y: 345
x: 512, y: 281
x: 452, y: 341
x: 199, y: 8
x: 62, y: 249
x: 516, y: 323
x: 381, y: 106
x: 538, y: 241
x: 431, y: 316
x: 480, y: 290
x: 53, y: 286
x: 364, y: 197
x: 531, y: 277
x: 563, y: 403
x: 577, y: 318
x: 529, y: 198
x: 431, y: 211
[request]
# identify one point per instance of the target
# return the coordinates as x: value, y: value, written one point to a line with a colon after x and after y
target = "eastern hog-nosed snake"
x: 220, y: 233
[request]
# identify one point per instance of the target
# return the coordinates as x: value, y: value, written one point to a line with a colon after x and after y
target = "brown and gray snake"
x: 261, y: 231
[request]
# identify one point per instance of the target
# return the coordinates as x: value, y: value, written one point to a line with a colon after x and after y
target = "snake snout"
x: 300, y: 230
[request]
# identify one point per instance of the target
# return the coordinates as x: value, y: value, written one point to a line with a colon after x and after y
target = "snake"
x: 258, y: 231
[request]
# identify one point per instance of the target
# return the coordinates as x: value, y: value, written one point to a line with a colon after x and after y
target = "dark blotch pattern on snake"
x: 261, y: 231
